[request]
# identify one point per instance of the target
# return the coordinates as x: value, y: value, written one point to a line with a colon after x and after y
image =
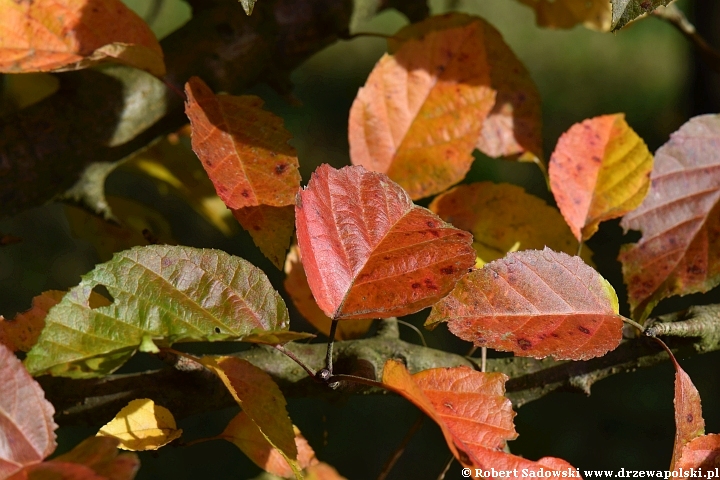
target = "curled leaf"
x: 142, y: 425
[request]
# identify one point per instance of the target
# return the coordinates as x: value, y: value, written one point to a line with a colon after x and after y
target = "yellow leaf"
x: 142, y: 425
x: 593, y: 14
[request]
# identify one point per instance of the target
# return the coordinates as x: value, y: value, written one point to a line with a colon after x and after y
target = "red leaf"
x: 26, y: 418
x: 22, y: 332
x: 369, y: 252
x: 703, y: 452
x: 534, y: 303
x: 243, y: 148
x: 679, y: 252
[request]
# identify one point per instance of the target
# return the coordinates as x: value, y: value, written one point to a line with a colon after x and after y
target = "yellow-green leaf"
x: 142, y: 425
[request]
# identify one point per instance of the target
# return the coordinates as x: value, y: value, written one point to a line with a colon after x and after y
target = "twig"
x: 390, y: 463
x: 678, y: 19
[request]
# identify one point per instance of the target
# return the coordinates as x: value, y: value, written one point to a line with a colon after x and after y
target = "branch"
x: 186, y: 388
x: 677, y: 18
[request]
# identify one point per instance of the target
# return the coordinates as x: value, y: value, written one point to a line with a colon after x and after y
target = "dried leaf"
x: 703, y: 452
x: 534, y: 303
x: 369, y: 252
x: 679, y: 252
x: 297, y: 287
x: 421, y: 111
x: 21, y: 333
x: 625, y: 11
x: 161, y: 295
x: 73, y: 34
x: 243, y: 148
x: 271, y: 229
x: 504, y: 218
x: 27, y: 429
x: 100, y: 454
x: 600, y: 170
x: 243, y: 433
x: 142, y: 425
x: 594, y: 14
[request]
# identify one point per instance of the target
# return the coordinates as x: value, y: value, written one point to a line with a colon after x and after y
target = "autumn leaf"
x: 504, y: 218
x: 594, y: 14
x: 702, y: 452
x: 322, y: 471
x: 689, y: 422
x: 243, y: 148
x: 73, y: 34
x: 142, y: 425
x: 472, y: 411
x: 421, y: 111
x: 160, y: 295
x: 296, y: 285
x: 27, y: 435
x: 599, y: 170
x: 248, y: 5
x: 57, y: 471
x: 679, y: 252
x: 100, y: 454
x: 625, y: 11
x: 262, y: 401
x: 271, y: 229
x: 21, y: 333
x: 369, y: 252
x: 245, y: 434
x: 534, y: 303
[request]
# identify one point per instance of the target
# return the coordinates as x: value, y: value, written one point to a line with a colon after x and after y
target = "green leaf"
x: 160, y: 295
x: 625, y: 11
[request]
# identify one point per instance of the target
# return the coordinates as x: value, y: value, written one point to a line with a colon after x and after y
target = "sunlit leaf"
x: 595, y: 14
x: 142, y: 425
x: 322, y: 471
x: 369, y: 252
x: 625, y: 11
x: 297, y: 287
x: 161, y: 295
x: 243, y: 148
x: 72, y: 34
x: 271, y: 229
x: 421, y: 111
x: 100, y: 454
x: 248, y: 5
x: 27, y: 429
x: 703, y: 452
x: 600, y: 170
x: 534, y: 303
x: 679, y: 252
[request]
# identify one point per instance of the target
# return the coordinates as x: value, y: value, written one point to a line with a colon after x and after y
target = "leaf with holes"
x: 594, y: 14
x: 421, y: 111
x: 243, y: 148
x: 534, y: 303
x: 73, y: 34
x: 472, y: 411
x: 600, y: 170
x: 369, y: 252
x: 160, y: 295
x: 679, y: 252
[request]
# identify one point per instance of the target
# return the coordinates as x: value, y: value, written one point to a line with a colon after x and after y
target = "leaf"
x: 514, y: 124
x: 73, y: 34
x: 421, y: 111
x: 689, y: 422
x: 471, y: 410
x: 594, y: 14
x: 369, y: 252
x: 322, y: 471
x: 504, y: 218
x: 625, y: 11
x: 27, y: 429
x: 262, y: 401
x: 245, y: 434
x: 248, y: 6
x: 599, y: 170
x: 161, y: 294
x: 271, y: 229
x: 57, y: 471
x: 100, y: 454
x: 679, y: 252
x: 21, y: 333
x: 534, y: 303
x: 296, y: 285
x: 142, y: 425
x: 243, y: 148
x: 702, y: 452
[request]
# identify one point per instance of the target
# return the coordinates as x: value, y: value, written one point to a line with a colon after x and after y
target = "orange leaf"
x: 322, y: 471
x: 101, y: 455
x: 244, y: 433
x: 22, y: 332
x: 296, y: 285
x: 599, y: 170
x: 243, y: 148
x: 595, y: 14
x: 27, y: 429
x: 472, y: 412
x: 73, y: 34
x: 679, y: 252
x: 369, y: 252
x: 271, y: 229
x: 57, y: 471
x: 421, y: 111
x: 703, y: 452
x: 534, y: 303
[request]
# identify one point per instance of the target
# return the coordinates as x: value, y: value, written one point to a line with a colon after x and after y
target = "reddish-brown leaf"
x: 534, y: 303
x: 473, y: 413
x: 599, y: 170
x: 57, y: 471
x: 679, y: 252
x: 369, y: 252
x: 243, y: 148
x: 421, y: 111
x: 21, y: 333
x: 71, y: 34
x: 703, y: 452
x: 271, y: 229
x: 101, y: 455
x: 27, y: 429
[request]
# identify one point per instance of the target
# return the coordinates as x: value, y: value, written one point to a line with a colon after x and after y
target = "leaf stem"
x: 331, y: 341
x: 633, y: 323
x: 390, y: 463
x: 417, y: 330
x: 295, y: 359
x: 201, y: 440
x: 447, y: 467
x: 579, y: 250
x: 356, y: 379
